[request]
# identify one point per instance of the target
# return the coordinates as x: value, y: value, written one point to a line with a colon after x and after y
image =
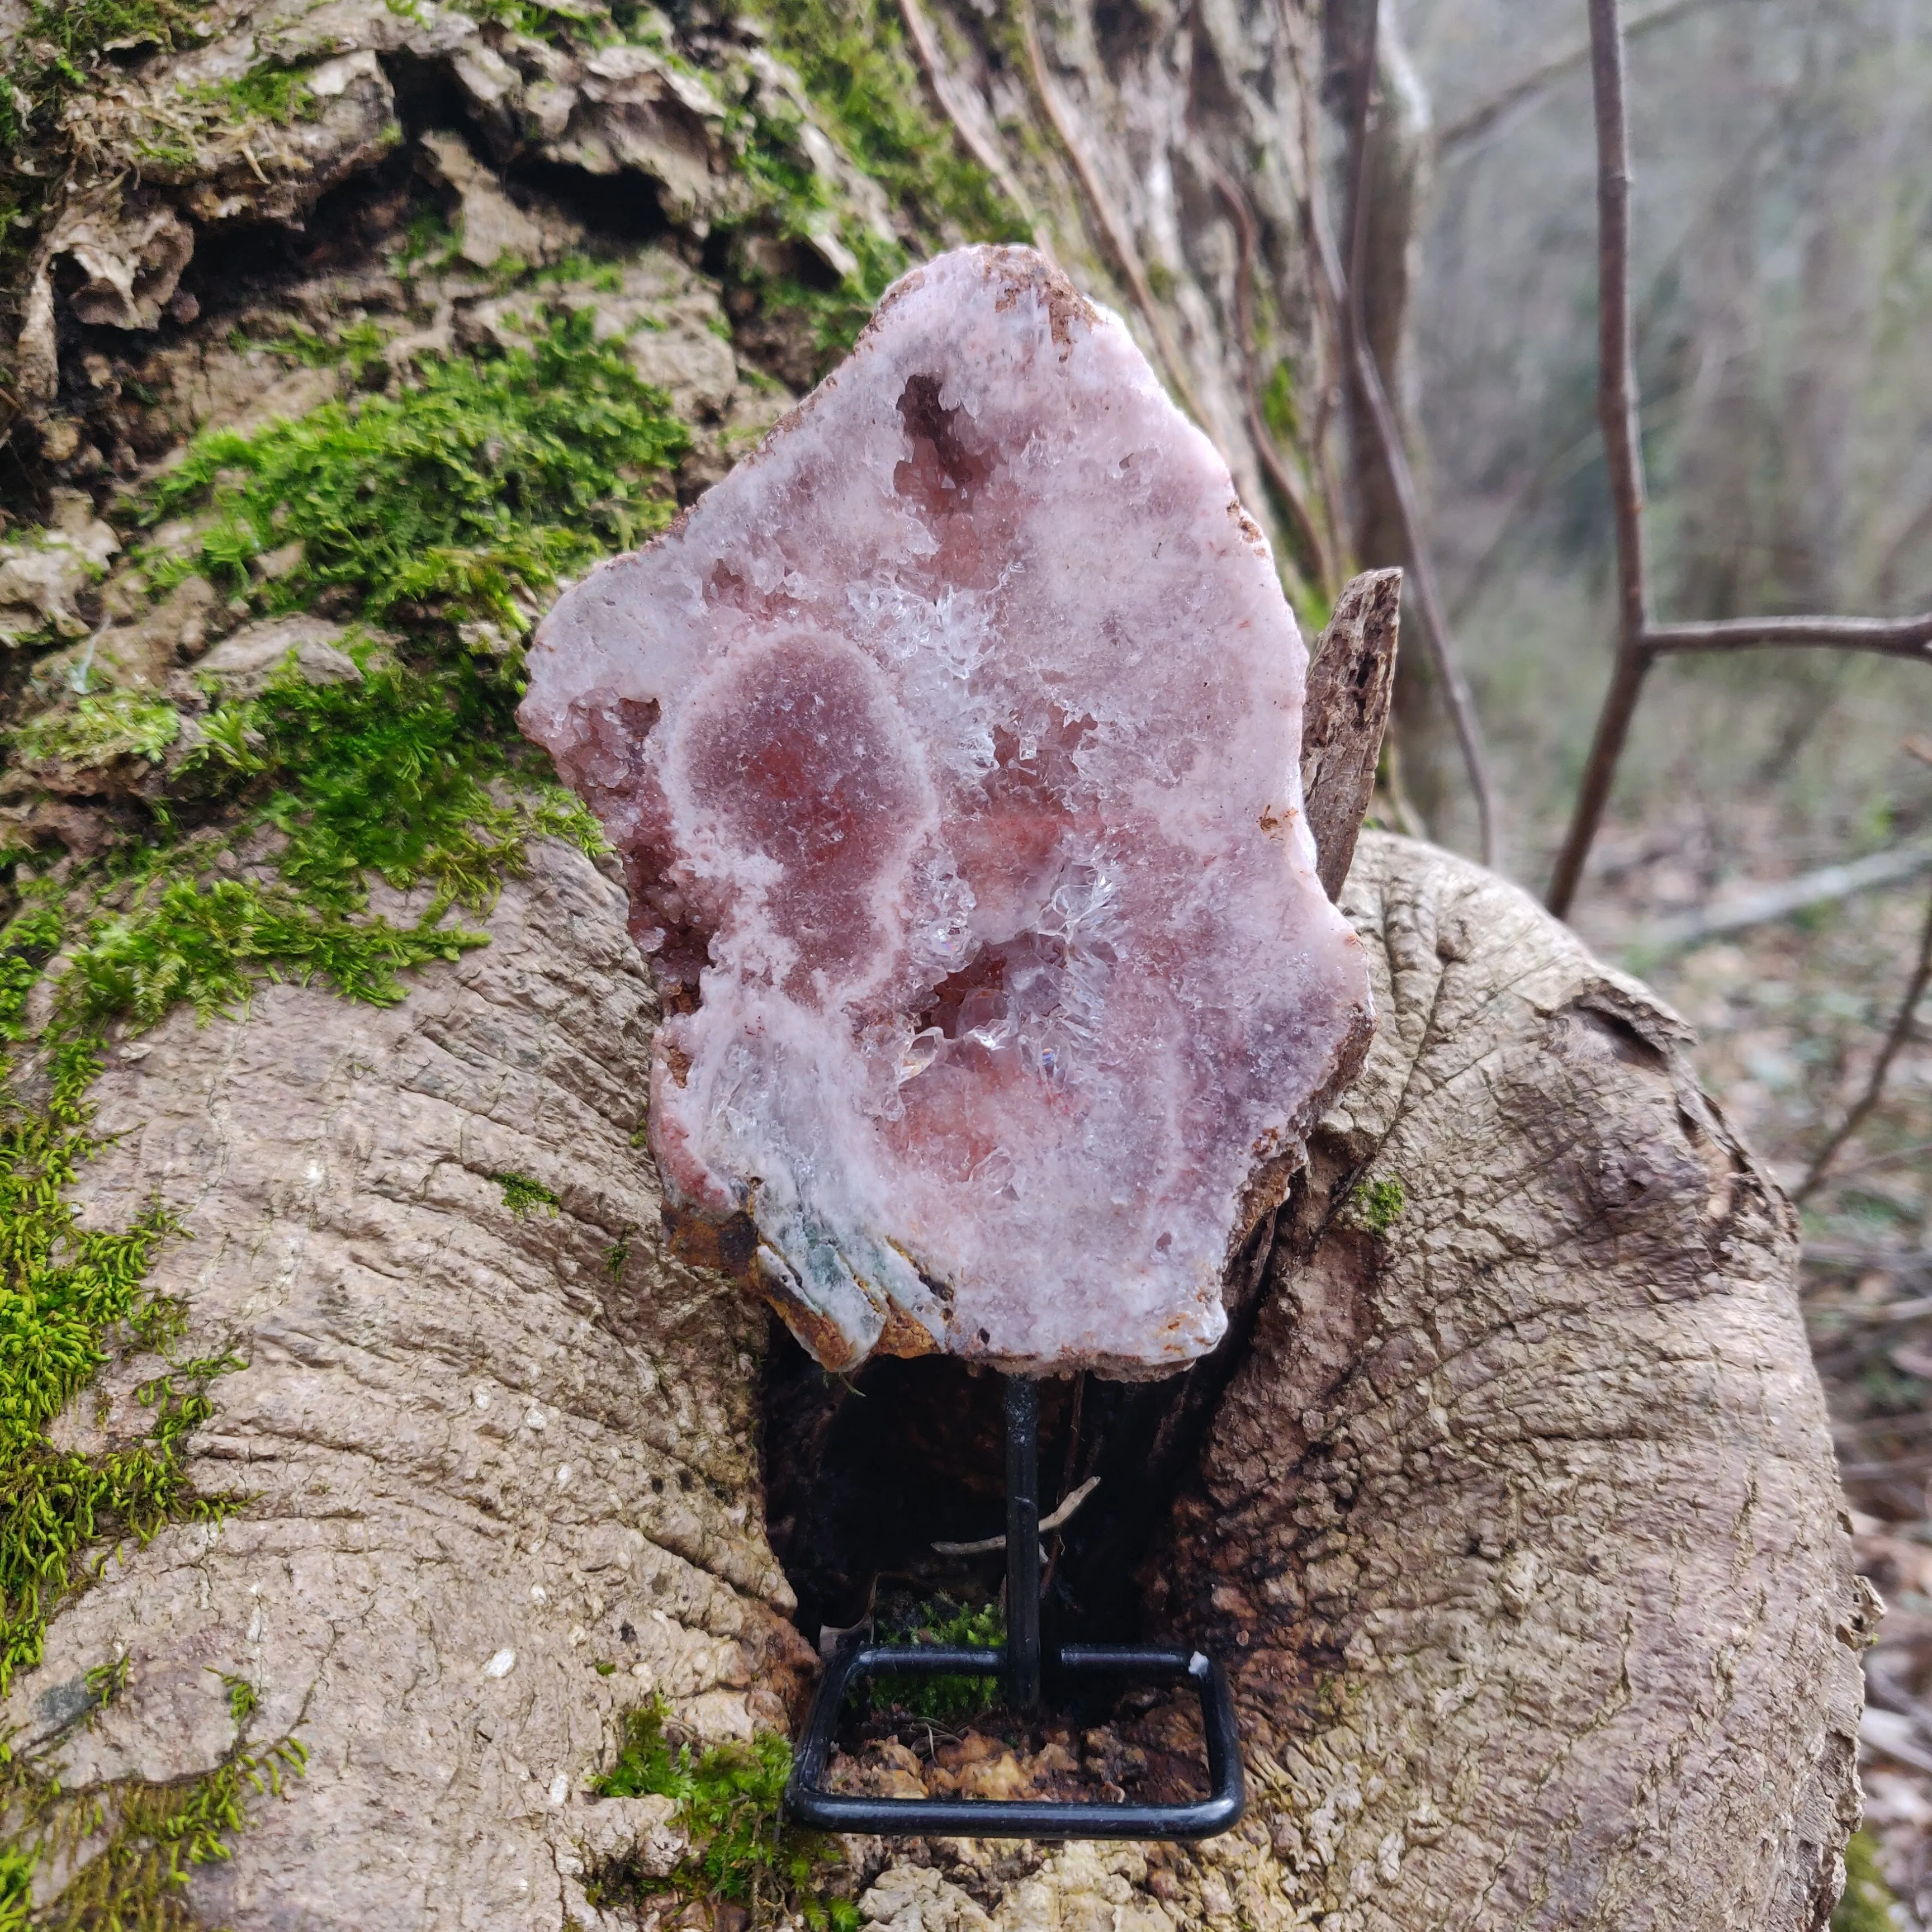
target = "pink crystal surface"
x: 951, y: 743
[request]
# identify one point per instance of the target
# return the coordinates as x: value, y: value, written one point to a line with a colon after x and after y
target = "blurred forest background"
x: 1782, y: 276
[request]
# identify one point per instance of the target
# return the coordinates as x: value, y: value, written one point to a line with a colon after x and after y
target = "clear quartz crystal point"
x: 951, y: 744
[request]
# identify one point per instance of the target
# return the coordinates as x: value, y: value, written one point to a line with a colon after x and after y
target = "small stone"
x: 243, y: 665
x: 492, y: 226
x: 272, y: 565
x: 952, y: 741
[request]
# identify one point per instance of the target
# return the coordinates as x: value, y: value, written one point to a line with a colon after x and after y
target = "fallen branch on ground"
x: 1761, y: 905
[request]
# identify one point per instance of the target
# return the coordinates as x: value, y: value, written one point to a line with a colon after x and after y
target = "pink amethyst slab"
x: 951, y: 744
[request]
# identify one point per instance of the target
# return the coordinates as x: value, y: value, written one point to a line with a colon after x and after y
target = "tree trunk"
x: 1511, y: 1497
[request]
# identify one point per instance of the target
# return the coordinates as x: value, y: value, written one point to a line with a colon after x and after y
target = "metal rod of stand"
x: 1022, y: 1543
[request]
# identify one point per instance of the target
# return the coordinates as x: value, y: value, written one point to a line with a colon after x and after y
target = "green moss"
x: 946, y: 1700
x: 1377, y: 1204
x: 59, y: 42
x: 208, y: 944
x: 743, y: 1851
x: 523, y: 1195
x: 358, y: 347
x: 465, y: 496
x: 267, y: 93
x: 64, y: 1291
x: 494, y: 473
x: 1868, y: 1902
x: 111, y: 724
x: 148, y: 1836
x: 270, y: 93
x: 1278, y: 406
x: 852, y: 58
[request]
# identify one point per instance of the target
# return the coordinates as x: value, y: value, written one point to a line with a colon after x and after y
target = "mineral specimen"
x: 951, y: 744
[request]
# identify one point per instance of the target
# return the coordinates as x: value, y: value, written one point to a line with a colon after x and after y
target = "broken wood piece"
x: 1350, y: 684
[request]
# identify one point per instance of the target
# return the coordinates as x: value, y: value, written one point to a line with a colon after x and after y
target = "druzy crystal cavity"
x: 951, y: 746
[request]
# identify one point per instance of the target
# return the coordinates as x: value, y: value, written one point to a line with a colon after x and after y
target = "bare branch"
x: 1467, y: 129
x: 1896, y: 637
x: 1623, y: 450
x: 1640, y: 642
x: 1895, y: 1042
x: 1905, y: 1156
x: 1346, y: 296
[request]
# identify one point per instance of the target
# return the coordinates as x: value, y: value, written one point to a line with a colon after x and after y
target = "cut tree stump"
x: 1518, y: 1523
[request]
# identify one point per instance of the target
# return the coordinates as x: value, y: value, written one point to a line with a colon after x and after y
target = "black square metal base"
x: 809, y: 1802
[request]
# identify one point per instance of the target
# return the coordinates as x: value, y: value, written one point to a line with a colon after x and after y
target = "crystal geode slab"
x: 951, y: 745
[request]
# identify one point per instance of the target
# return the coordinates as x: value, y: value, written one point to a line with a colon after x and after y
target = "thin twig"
x: 1331, y: 337
x: 1904, y: 1157
x: 933, y: 70
x: 1887, y: 636
x: 1623, y: 451
x: 1346, y: 296
x: 1895, y: 1042
x: 1467, y: 128
x: 985, y: 1545
x: 1287, y: 485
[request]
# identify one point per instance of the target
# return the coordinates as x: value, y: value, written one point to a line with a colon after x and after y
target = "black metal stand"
x: 809, y: 1802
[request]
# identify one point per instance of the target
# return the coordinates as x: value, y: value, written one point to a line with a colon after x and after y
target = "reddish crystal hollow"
x: 951, y: 744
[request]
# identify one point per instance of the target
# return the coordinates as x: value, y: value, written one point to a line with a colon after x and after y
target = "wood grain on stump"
x: 1518, y: 1521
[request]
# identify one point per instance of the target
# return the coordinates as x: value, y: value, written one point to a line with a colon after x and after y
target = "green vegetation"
x: 1377, y: 1204
x: 1866, y: 1904
x: 947, y: 1699
x: 155, y: 1834
x: 467, y: 494
x: 742, y: 1850
x: 1278, y: 407
x: 60, y: 40
x: 463, y: 497
x: 242, y: 1699
x: 267, y: 93
x: 522, y: 1196
x: 109, y: 724
x: 852, y: 59
x: 64, y: 1290
x: 356, y: 347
